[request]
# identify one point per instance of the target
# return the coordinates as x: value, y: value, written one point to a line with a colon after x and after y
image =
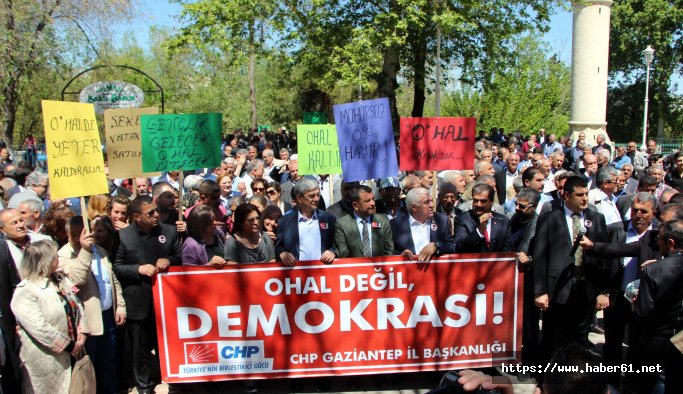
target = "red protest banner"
x: 437, y: 143
x: 356, y: 316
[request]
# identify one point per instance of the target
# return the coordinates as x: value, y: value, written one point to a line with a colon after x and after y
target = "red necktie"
x: 486, y: 235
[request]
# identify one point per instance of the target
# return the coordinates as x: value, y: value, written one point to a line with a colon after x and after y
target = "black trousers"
x: 530, y: 317
x: 141, y: 335
x: 617, y: 317
x: 569, y: 322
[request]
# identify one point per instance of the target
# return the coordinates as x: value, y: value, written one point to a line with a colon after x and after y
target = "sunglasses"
x: 258, y: 189
x: 523, y: 206
x: 151, y: 213
x: 270, y: 192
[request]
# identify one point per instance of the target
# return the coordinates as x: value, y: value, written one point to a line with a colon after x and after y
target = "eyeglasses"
x: 151, y: 213
x: 270, y: 192
x: 523, y: 206
x: 258, y: 189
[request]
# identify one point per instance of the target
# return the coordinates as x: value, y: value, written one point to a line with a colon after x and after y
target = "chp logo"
x: 201, y: 353
x: 222, y: 351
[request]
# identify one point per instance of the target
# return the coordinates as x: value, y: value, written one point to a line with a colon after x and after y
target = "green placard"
x: 315, y: 118
x: 318, y: 149
x: 187, y: 141
x: 263, y: 128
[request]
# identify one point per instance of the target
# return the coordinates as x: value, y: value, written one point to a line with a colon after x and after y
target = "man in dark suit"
x: 505, y: 176
x: 306, y: 233
x: 448, y: 198
x: 13, y: 227
x: 601, y: 144
x: 647, y: 183
x: 343, y: 207
x: 422, y: 233
x: 567, y: 280
x: 146, y: 247
x: 637, y: 234
x: 522, y: 233
x: 363, y: 233
x: 480, y: 230
x: 590, y: 168
x: 660, y: 316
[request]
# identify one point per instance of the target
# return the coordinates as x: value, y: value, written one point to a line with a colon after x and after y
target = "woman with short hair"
x: 248, y: 244
x: 269, y: 218
x: 50, y: 319
x: 274, y: 193
x: 205, y: 242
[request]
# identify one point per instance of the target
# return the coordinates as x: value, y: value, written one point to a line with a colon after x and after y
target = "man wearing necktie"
x: 363, y: 233
x: 568, y: 281
x: 481, y: 230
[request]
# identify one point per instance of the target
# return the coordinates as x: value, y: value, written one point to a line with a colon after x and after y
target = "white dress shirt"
x: 421, y: 233
x: 570, y: 222
x: 605, y: 205
x: 630, y: 264
x: 309, y: 237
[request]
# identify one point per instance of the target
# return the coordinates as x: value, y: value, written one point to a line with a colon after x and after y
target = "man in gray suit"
x: 363, y: 233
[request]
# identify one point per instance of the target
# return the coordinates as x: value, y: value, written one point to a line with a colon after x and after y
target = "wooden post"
x: 181, y: 179
x: 331, y: 183
x: 84, y: 213
x: 434, y: 195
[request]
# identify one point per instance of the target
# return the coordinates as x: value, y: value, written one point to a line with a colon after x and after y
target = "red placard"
x: 356, y: 316
x: 437, y: 143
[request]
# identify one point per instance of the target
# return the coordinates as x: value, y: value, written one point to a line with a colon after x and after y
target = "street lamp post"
x: 648, y: 54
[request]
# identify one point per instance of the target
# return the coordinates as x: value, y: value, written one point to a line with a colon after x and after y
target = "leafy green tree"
x: 634, y: 25
x: 531, y: 93
x: 387, y: 41
x: 29, y: 39
x: 236, y: 28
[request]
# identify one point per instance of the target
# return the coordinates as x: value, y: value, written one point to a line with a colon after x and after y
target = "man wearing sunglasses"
x: 146, y: 248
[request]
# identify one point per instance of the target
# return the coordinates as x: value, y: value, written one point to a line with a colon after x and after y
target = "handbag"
x: 83, y: 376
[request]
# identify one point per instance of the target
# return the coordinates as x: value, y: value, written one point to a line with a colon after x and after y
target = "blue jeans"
x: 102, y: 352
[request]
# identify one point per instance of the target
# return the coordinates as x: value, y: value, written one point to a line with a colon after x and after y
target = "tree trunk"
x: 419, y: 69
x: 387, y: 83
x: 9, y: 110
x: 661, y: 107
x: 252, y: 73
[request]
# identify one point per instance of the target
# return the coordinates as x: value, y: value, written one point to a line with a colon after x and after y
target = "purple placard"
x: 366, y: 140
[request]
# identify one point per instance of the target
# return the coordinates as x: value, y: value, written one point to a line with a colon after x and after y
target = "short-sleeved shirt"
x: 236, y: 251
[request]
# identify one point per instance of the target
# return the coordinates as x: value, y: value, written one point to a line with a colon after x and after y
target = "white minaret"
x: 590, y: 53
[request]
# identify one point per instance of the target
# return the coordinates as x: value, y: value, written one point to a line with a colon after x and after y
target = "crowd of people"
x: 593, y: 230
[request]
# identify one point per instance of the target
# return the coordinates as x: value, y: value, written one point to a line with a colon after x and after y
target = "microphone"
x: 579, y: 237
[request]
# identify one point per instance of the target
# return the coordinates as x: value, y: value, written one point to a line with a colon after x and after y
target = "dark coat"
x: 554, y: 258
x: 439, y: 234
x: 288, y: 233
x: 658, y: 307
x: 9, y: 278
x: 135, y: 249
x: 467, y: 240
x: 501, y: 184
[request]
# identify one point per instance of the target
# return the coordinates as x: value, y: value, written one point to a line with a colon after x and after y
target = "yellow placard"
x: 74, y: 152
x: 122, y: 133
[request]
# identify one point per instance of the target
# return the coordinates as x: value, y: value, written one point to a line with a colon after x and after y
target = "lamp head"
x: 648, y: 53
